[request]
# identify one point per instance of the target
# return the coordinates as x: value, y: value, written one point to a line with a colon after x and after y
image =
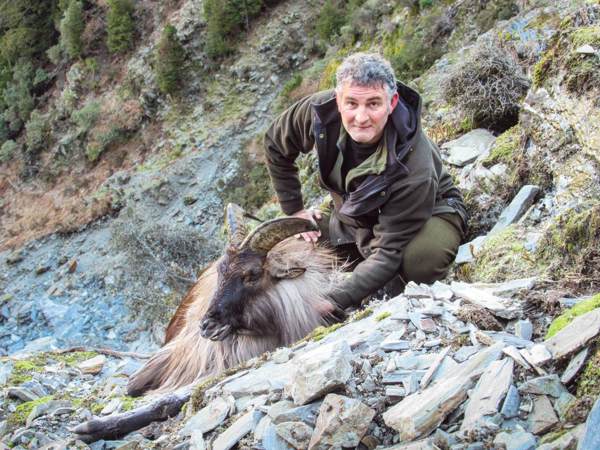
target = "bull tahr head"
x: 243, y: 274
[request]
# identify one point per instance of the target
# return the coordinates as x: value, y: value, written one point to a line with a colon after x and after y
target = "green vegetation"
x: 223, y: 19
x: 320, y: 332
x: 36, y: 129
x: 383, y: 315
x: 71, y: 27
x: 588, y: 382
x: 331, y: 19
x: 582, y: 71
x: 120, y: 25
x: 572, y: 245
x: 286, y: 97
x: 506, y: 147
x: 567, y: 317
x: 8, y: 150
x: 16, y: 97
x: 169, y: 60
x: 501, y: 256
x: 23, y: 410
x: 361, y: 314
x: 86, y: 117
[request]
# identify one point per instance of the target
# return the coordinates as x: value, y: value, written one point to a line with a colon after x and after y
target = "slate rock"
x: 342, y: 422
x: 591, y: 438
x: 517, y: 207
x: 517, y: 440
x: 543, y: 417
x: 285, y: 411
x: 208, y: 418
x: 524, y: 329
x: 93, y: 365
x: 469, y: 147
x: 510, y: 407
x: 236, y: 431
x: 320, y: 371
x: 297, y: 434
x: 546, y: 385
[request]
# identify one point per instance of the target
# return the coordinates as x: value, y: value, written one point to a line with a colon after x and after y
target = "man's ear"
x: 394, y: 101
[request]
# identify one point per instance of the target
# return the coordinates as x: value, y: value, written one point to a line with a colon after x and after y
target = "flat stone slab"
x: 517, y: 207
x: 240, y: 428
x: 575, y: 335
x: 543, y: 417
x: 208, y: 418
x: 546, y: 385
x: 342, y: 422
x: 574, y: 366
x: 518, y: 440
x: 496, y: 305
x: 468, y: 252
x: 469, y: 147
x: 488, y: 393
x: 320, y: 371
x: 591, y: 437
x: 420, y: 413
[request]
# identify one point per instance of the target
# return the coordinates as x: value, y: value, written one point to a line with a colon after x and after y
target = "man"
x: 395, y: 211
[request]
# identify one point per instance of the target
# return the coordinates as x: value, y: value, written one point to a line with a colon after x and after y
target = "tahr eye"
x: 251, y: 276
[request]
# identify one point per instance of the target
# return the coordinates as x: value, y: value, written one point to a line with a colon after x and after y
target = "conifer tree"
x: 71, y: 27
x: 169, y: 60
x: 120, y: 25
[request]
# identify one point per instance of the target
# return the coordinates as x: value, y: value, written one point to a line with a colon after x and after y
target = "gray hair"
x: 366, y: 69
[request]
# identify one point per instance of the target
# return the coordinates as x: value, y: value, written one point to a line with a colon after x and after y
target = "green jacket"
x: 380, y: 212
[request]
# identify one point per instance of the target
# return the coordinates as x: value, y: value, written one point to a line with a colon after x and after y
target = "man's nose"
x: 361, y: 115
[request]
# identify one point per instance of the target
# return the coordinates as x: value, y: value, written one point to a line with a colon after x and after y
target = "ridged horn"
x: 235, y: 224
x: 270, y: 233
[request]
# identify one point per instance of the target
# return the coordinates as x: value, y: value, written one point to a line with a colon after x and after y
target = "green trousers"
x: 425, y: 259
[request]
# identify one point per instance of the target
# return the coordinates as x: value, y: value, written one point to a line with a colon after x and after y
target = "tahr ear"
x: 282, y: 272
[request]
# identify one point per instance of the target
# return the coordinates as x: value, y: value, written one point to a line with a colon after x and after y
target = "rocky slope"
x: 532, y: 184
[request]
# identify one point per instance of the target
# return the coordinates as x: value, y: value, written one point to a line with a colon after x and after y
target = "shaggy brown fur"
x: 295, y: 305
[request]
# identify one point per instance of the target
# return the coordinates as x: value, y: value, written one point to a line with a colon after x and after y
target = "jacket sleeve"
x: 401, y: 218
x: 289, y: 135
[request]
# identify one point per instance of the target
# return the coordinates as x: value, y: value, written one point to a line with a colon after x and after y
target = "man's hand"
x: 309, y: 214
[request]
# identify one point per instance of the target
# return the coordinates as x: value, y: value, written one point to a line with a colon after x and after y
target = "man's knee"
x: 429, y: 255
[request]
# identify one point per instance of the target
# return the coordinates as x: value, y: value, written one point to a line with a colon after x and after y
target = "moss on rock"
x: 23, y: 410
x: 502, y: 256
x: 567, y: 317
x: 382, y: 316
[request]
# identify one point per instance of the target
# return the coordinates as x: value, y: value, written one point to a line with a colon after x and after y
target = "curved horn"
x: 264, y: 237
x: 235, y: 224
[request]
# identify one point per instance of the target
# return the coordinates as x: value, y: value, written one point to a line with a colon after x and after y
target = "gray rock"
x: 518, y: 440
x: 543, y: 417
x: 43, y: 344
x: 320, y: 371
x: 546, y: 385
x: 272, y: 441
x: 510, y: 407
x: 468, y: 252
x: 6, y: 369
x: 524, y: 329
x: 236, y: 431
x: 469, y: 147
x: 342, y: 422
x: 441, y: 291
x: 574, y: 366
x: 208, y: 418
x: 48, y: 408
x: 562, y: 404
x: 285, y: 411
x: 297, y: 434
x: 517, y: 207
x: 591, y: 438
x: 22, y: 394
x: 464, y: 353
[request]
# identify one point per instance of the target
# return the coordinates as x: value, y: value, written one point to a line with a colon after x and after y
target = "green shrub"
x: 71, y: 27
x: 7, y: 151
x: 169, y: 60
x: 86, y: 117
x: 55, y: 54
x: 120, y: 25
x: 223, y: 18
x: 36, y: 130
x: 17, y: 96
x: 331, y: 18
x: 100, y: 139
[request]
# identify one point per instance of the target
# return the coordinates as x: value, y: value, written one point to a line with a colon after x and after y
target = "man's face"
x: 364, y: 111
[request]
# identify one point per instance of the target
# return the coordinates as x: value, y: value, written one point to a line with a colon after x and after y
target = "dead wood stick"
x: 103, y: 351
x: 118, y: 425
